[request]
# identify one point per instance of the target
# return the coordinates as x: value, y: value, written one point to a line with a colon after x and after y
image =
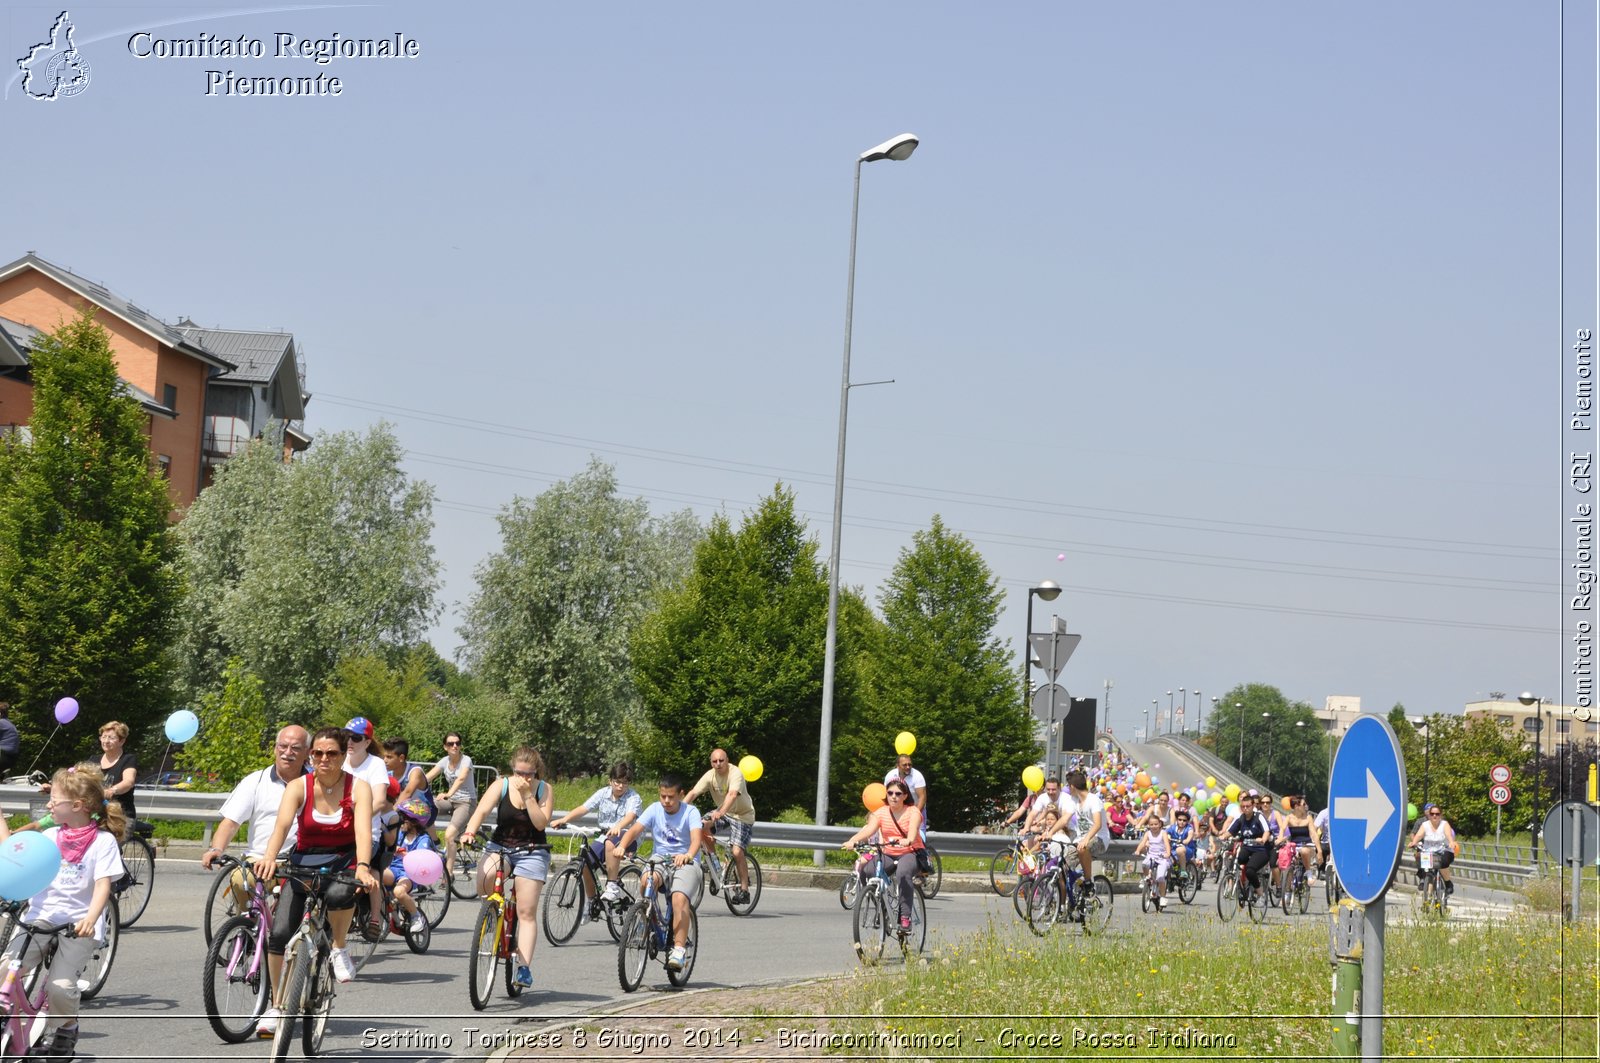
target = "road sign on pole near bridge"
x: 1367, y: 793
x: 1500, y: 774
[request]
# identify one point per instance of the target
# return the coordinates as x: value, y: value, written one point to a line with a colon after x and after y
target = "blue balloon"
x: 28, y: 863
x: 182, y: 726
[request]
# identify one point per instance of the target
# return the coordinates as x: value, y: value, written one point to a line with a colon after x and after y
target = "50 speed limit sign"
x: 1500, y: 774
x: 1500, y: 793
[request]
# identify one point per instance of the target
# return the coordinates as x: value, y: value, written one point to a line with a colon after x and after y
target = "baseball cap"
x: 360, y: 726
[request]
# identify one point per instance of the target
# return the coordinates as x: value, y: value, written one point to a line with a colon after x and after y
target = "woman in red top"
x: 897, y: 824
x: 1118, y: 815
x: 334, y: 830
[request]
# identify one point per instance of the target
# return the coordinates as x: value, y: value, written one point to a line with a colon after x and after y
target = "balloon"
x: 423, y: 866
x: 1211, y: 782
x: 1141, y: 780
x: 66, y: 711
x: 1233, y: 809
x: 1232, y: 790
x: 28, y: 863
x: 1411, y: 811
x: 182, y: 726
x: 1122, y: 787
x: 1061, y: 557
x: 750, y: 767
x: 1033, y: 777
x: 1286, y: 805
x: 1201, y: 795
x: 905, y: 743
x: 1174, y: 787
x: 873, y: 796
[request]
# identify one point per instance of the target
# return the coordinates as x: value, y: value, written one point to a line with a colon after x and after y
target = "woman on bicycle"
x: 1299, y: 838
x: 522, y: 804
x: 1436, y: 836
x: 119, y: 765
x: 88, y: 830
x: 1182, y: 838
x: 615, y: 806
x: 332, y: 811
x: 896, y: 823
x: 461, y: 791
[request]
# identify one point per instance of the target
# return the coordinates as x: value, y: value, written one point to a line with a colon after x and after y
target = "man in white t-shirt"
x: 255, y: 800
x: 904, y: 772
x: 1085, y: 817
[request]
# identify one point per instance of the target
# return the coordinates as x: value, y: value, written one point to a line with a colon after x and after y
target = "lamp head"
x: 899, y: 149
x: 1526, y: 698
x: 1048, y: 590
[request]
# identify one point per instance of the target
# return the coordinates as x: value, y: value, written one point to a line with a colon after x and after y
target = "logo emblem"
x: 55, y: 69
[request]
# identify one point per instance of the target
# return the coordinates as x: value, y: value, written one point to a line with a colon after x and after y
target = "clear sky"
x: 1238, y: 321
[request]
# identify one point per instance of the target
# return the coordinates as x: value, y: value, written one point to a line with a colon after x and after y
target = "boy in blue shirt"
x: 674, y: 828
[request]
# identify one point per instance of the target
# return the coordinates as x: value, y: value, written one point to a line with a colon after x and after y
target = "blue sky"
x: 1250, y: 311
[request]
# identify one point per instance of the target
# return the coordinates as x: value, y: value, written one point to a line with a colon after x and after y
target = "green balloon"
x: 1411, y: 811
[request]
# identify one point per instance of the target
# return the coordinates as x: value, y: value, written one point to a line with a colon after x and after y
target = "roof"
x: 134, y: 315
x: 259, y: 358
x: 16, y: 340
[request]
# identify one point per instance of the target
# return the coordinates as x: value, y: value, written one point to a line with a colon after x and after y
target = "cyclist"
x: 728, y: 788
x: 1118, y: 816
x: 1321, y: 823
x: 1298, y: 837
x: 86, y: 830
x: 1436, y: 836
x: 329, y: 809
x: 522, y: 807
x: 416, y: 816
x: 1084, y: 820
x: 895, y: 822
x: 1025, y: 809
x: 461, y: 792
x: 914, y: 782
x: 1050, y: 798
x: 1250, y: 827
x: 1156, y: 848
x: 359, y: 761
x: 1182, y: 836
x: 1161, y: 809
x: 674, y: 826
x: 615, y: 806
x: 413, y: 781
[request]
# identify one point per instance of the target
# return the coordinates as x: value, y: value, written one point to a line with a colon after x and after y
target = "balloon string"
x: 41, y: 751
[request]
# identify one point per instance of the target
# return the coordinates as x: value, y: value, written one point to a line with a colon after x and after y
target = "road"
x: 1173, y: 768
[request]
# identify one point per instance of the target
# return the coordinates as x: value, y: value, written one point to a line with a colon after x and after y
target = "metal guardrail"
x: 1210, y: 763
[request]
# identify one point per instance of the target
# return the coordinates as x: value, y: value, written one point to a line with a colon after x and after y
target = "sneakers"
x: 741, y: 896
x: 268, y: 1026
x: 612, y: 892
x: 905, y: 922
x: 524, y: 975
x: 63, y: 1046
x: 419, y: 923
x: 676, y: 957
x: 343, y: 969
x: 1161, y: 902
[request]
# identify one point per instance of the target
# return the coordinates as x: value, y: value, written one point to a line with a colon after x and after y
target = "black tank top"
x: 513, y: 826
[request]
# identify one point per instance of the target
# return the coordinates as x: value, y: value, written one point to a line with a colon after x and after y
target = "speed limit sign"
x: 1500, y: 793
x: 1500, y: 774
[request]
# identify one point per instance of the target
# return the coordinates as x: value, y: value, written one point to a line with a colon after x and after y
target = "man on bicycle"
x: 1252, y: 830
x: 1084, y: 820
x: 674, y: 827
x: 734, y: 808
x: 615, y: 806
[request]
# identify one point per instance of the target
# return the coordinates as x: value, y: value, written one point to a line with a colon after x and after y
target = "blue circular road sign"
x: 1366, y: 808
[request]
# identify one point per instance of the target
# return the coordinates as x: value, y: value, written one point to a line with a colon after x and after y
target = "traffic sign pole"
x: 1372, y: 981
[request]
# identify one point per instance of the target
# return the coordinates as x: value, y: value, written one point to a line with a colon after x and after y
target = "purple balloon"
x: 423, y: 866
x: 66, y: 710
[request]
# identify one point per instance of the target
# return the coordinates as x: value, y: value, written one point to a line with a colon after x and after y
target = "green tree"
x: 1448, y: 760
x: 296, y: 566
x: 549, y: 626
x: 366, y: 685
x: 87, y: 593
x: 1286, y: 749
x: 234, y: 730
x: 733, y: 657
x: 941, y: 674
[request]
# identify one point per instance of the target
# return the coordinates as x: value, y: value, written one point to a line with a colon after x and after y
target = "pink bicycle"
x: 24, y: 996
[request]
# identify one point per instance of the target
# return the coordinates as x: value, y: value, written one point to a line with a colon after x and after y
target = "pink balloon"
x: 66, y: 710
x: 423, y: 866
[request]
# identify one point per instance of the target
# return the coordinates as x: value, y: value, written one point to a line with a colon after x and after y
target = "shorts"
x: 460, y: 810
x: 528, y: 863
x: 686, y: 880
x: 598, y: 847
x: 1162, y: 866
x: 738, y: 831
x: 1095, y: 845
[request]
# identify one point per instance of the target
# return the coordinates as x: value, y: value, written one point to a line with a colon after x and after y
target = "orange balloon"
x: 1286, y: 805
x: 1122, y: 787
x: 1174, y: 787
x: 1141, y: 780
x: 873, y: 796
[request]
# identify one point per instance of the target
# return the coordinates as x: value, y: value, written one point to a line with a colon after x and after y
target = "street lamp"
x: 1153, y: 702
x: 1538, y: 731
x: 1197, y: 707
x: 1239, y: 712
x: 1268, y: 716
x: 1049, y: 591
x: 898, y: 149
x: 1213, y: 713
x: 1185, y: 694
x: 1422, y: 724
x: 1169, y: 713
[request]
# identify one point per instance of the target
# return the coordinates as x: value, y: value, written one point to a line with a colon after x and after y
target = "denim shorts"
x: 532, y: 864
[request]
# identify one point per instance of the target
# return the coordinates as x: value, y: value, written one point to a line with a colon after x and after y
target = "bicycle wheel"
x: 1003, y: 872
x: 1097, y: 906
x: 633, y: 947
x: 705, y: 876
x: 513, y: 990
x: 628, y: 880
x: 1229, y: 885
x: 1188, y: 886
x: 484, y: 955
x: 319, y: 1004
x: 935, y: 876
x: 1227, y: 900
x: 1257, y: 901
x: 139, y: 857
x: 234, y: 980
x: 562, y: 905
x: 295, y: 975
x: 870, y: 923
x: 848, y: 890
x: 363, y: 939
x: 1019, y: 899
x: 221, y: 905
x: 1045, y: 900
x: 94, y: 975
x: 913, y: 941
x: 1147, y: 893
x: 464, y: 873
x: 418, y: 940
x: 432, y: 901
x: 753, y: 867
x: 1286, y: 891
x: 691, y: 945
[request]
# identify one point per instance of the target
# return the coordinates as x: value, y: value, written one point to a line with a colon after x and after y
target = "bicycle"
x: 494, y: 936
x: 234, y: 980
x: 1430, y: 898
x: 1332, y: 887
x: 1238, y: 893
x: 139, y: 858
x: 566, y: 897
x: 1057, y: 894
x: 309, y: 985
x: 1148, y: 897
x: 931, y: 879
x: 871, y: 924
x: 432, y: 902
x: 224, y: 901
x: 1004, y: 877
x: 25, y: 997
x: 647, y: 931
x: 1184, y: 881
x: 720, y: 876
x: 463, y: 869
x: 96, y: 971
x: 1298, y: 889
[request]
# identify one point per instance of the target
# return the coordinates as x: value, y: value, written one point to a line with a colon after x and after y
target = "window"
x: 164, y: 465
x: 1503, y: 719
x: 1531, y: 723
x: 169, y: 396
x: 1592, y: 726
x: 1563, y: 726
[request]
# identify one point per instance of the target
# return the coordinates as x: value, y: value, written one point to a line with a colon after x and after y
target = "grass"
x: 1267, y: 988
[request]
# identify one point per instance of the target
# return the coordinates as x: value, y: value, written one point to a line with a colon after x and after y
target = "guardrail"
x: 1210, y: 763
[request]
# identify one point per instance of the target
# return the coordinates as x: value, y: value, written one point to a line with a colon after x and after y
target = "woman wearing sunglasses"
x: 462, y: 794
x: 1436, y: 836
x: 896, y: 823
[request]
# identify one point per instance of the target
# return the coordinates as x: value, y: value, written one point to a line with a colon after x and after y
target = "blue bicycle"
x: 877, y: 906
x: 1056, y: 895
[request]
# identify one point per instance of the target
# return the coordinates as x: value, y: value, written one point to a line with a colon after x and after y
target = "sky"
x: 1243, y: 323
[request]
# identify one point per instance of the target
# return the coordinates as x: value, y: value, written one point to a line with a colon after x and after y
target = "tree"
x: 87, y: 593
x: 549, y: 625
x: 1448, y: 760
x: 734, y: 657
x: 1286, y: 750
x: 234, y: 731
x: 943, y: 675
x: 296, y: 566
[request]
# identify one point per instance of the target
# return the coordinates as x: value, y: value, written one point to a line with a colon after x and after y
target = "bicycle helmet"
x: 417, y: 811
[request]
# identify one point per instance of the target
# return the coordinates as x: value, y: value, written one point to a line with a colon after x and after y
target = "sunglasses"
x: 324, y: 754
x: 895, y: 793
x: 447, y: 745
x: 1435, y: 813
x: 524, y: 774
x: 356, y: 738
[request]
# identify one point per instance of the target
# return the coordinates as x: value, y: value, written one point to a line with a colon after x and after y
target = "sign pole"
x: 1372, y: 980
x: 1576, y: 856
x: 1497, y: 826
x: 1055, y: 742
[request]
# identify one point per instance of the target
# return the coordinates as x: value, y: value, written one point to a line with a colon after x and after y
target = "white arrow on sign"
x: 1375, y: 808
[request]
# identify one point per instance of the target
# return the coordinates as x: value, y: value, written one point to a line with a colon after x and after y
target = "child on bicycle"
x: 1156, y: 848
x: 416, y: 816
x: 674, y: 827
x: 87, y: 829
x: 615, y: 806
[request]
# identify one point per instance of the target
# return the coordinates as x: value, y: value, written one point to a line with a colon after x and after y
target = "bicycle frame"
x: 22, y: 1013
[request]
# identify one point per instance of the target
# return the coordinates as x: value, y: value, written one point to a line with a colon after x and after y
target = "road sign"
x: 1500, y: 793
x: 1500, y: 774
x: 1367, y: 792
x: 1062, y: 649
x: 1558, y: 829
x: 1041, y: 702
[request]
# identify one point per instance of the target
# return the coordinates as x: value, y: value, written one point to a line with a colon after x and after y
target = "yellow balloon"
x: 751, y: 767
x: 1211, y: 782
x: 905, y: 743
x: 1232, y: 791
x: 1033, y: 777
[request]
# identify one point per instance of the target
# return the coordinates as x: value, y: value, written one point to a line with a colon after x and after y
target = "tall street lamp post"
x: 1213, y: 713
x: 1171, y: 723
x: 1047, y: 590
x: 1538, y: 707
x: 1238, y: 710
x: 1268, y: 717
x: 1421, y: 723
x: 1197, y: 707
x: 898, y: 149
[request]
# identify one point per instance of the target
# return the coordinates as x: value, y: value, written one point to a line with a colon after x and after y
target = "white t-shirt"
x: 254, y: 802
x: 671, y: 834
x: 66, y: 899
x: 469, y: 789
x: 375, y: 774
x: 1080, y: 814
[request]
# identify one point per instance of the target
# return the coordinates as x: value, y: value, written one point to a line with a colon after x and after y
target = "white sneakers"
x: 343, y: 969
x: 418, y: 923
x: 612, y: 892
x: 1161, y: 901
x: 268, y: 1026
x: 676, y: 957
